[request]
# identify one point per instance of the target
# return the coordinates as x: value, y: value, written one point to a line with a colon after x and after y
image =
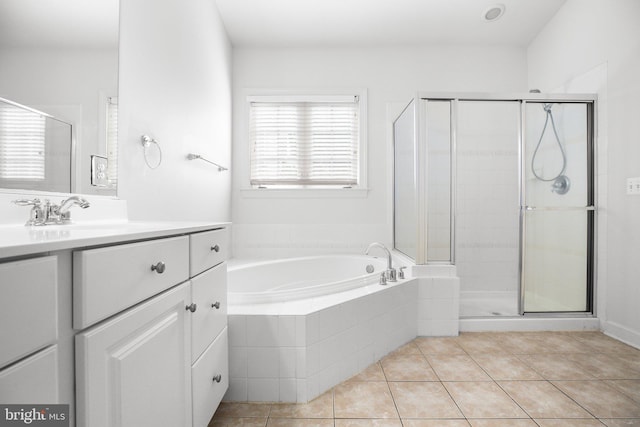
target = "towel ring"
x: 147, y: 142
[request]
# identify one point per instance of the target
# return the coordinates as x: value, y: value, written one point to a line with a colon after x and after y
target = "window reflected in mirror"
x: 35, y: 150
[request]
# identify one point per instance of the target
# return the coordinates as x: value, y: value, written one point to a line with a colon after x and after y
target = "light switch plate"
x: 99, y: 171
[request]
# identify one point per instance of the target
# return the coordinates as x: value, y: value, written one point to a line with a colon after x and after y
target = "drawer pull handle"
x: 215, y: 248
x: 217, y: 378
x: 159, y: 267
x: 192, y: 307
x: 216, y: 305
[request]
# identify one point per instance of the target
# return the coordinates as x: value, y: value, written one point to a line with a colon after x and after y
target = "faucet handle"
x: 401, y: 272
x: 383, y: 278
x: 37, y: 215
x: 27, y: 202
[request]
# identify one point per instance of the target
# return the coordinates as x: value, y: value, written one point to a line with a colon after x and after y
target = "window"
x: 112, y: 140
x: 305, y: 141
x: 22, y: 144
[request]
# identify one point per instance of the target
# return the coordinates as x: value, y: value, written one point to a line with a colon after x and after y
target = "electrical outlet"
x: 633, y: 186
x: 99, y: 171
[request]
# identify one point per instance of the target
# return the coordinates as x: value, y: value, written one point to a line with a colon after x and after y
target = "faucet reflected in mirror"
x: 46, y: 213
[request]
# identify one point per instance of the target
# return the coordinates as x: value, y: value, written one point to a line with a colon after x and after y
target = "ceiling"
x: 59, y: 23
x: 293, y: 23
x: 369, y: 23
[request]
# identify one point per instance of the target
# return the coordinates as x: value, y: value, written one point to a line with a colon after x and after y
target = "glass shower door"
x: 557, y: 212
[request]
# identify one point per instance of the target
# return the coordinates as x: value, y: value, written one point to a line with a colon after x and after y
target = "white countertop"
x: 21, y: 240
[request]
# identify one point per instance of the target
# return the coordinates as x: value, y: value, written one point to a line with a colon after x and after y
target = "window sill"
x: 304, y: 193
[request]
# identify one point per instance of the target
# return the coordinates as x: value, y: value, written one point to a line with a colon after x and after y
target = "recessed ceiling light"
x: 493, y: 13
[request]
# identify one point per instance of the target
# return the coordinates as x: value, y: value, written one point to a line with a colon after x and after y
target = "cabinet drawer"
x: 109, y: 280
x: 207, y: 390
x: 33, y: 380
x: 28, y: 307
x: 208, y: 249
x: 209, y: 293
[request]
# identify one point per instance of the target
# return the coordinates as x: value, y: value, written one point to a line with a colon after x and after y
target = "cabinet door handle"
x: 191, y: 307
x: 217, y: 378
x: 215, y: 248
x: 216, y: 305
x: 159, y: 267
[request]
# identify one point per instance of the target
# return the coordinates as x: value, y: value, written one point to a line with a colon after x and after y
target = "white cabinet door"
x: 32, y: 380
x: 134, y: 370
x: 28, y: 306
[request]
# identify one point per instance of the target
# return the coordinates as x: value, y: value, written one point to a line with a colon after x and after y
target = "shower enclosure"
x: 502, y: 186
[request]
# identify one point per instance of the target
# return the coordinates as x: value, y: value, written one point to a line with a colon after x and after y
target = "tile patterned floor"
x: 510, y: 379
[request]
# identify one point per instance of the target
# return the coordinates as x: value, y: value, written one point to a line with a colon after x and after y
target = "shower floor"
x: 488, y: 304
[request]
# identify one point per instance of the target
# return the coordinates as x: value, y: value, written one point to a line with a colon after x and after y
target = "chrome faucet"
x: 390, y: 274
x: 44, y: 213
x: 67, y: 204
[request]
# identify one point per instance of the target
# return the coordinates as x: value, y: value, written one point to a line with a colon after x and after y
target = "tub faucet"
x: 390, y: 274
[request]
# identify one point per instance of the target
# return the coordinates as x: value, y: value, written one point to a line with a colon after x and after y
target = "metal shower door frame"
x: 523, y: 98
x: 590, y: 103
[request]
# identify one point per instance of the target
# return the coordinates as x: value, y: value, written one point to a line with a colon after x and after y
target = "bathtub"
x: 300, y: 278
x: 300, y: 326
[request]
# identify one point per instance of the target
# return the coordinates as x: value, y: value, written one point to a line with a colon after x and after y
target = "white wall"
x: 175, y: 85
x: 588, y: 35
x: 290, y: 226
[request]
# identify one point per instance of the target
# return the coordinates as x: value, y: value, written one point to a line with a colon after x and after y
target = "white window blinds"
x: 22, y: 144
x: 305, y: 143
x: 112, y: 140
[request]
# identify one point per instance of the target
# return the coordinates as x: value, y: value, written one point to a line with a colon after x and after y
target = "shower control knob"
x: 159, y: 267
x: 217, y: 378
x: 215, y: 248
x: 191, y: 307
x: 216, y: 305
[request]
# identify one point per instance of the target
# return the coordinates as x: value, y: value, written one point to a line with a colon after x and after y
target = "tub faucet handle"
x: 401, y: 272
x: 383, y: 278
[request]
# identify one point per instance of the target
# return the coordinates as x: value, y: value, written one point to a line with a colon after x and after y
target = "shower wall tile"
x: 292, y: 240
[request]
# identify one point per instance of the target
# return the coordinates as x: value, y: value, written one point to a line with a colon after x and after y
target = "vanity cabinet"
x: 154, y: 348
x: 29, y: 332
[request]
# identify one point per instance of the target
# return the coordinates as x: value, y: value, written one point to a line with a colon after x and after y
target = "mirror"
x: 61, y: 58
